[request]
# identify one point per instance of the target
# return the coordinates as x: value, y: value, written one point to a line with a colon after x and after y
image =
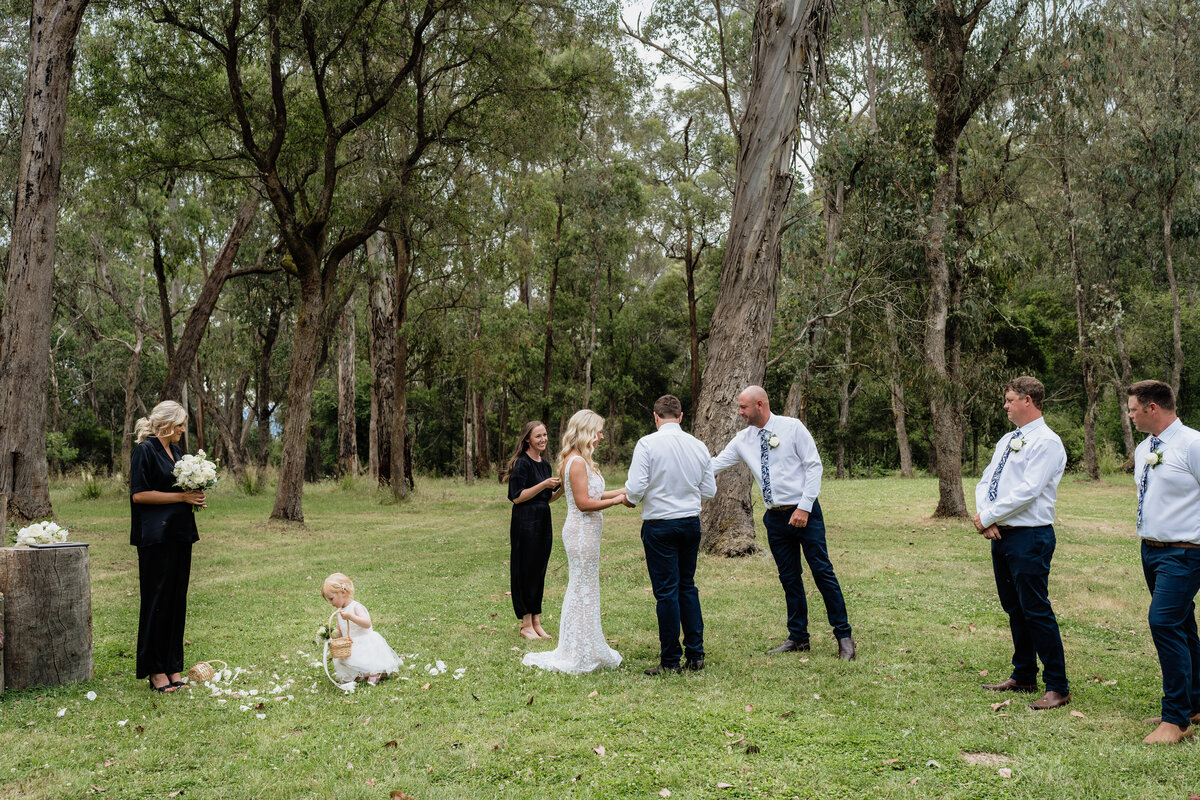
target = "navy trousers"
x: 1021, y: 563
x: 787, y: 543
x: 672, y: 546
x: 1173, y: 575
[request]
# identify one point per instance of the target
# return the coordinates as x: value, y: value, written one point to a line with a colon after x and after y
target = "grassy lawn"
x: 433, y: 572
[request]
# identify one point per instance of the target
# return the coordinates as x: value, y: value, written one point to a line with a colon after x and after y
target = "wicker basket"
x: 339, y: 647
x: 204, y: 671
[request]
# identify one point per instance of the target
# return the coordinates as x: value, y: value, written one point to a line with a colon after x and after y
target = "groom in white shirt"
x: 783, y: 458
x: 1166, y: 466
x: 1015, y: 501
x: 670, y: 476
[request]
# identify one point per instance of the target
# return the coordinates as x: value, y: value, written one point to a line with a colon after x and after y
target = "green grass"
x: 433, y: 572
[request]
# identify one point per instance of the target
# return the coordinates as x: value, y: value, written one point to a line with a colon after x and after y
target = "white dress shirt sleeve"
x: 806, y: 449
x: 1042, y: 462
x: 638, y: 479
x: 726, y: 458
x: 708, y: 484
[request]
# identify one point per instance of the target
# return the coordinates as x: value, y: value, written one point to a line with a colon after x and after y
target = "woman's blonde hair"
x: 583, y: 432
x: 166, y: 415
x: 337, y: 582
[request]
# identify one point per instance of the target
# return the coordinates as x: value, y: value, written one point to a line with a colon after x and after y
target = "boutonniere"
x: 1153, y: 458
x: 772, y: 441
x: 1017, y: 445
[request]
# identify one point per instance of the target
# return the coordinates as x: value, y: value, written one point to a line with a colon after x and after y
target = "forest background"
x: 377, y: 236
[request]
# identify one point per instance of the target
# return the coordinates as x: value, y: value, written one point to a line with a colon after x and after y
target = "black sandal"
x: 164, y: 689
x: 178, y: 684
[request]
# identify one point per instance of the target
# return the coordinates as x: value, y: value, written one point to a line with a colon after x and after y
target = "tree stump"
x: 47, y: 616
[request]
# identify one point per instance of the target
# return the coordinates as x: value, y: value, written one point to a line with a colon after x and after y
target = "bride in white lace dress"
x: 581, y: 644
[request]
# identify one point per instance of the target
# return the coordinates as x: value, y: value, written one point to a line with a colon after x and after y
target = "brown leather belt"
x: 781, y: 509
x: 1185, y: 545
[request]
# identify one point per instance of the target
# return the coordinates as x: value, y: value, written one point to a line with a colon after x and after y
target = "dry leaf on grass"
x: 1079, y: 714
x: 426, y: 686
x: 913, y: 782
x: 1005, y: 773
x: 665, y: 793
x: 891, y: 760
x: 749, y: 709
x: 399, y: 795
x: 175, y: 794
x: 599, y: 750
x: 983, y: 673
x: 723, y: 785
x: 971, y: 627
x: 529, y: 702
x: 594, y: 694
x: 391, y: 744
x: 998, y: 706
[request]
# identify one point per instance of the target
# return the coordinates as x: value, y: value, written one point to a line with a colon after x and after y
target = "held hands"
x: 195, y: 498
x: 990, y: 532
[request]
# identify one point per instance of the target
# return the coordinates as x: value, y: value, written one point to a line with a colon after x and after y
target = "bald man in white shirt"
x: 783, y: 458
x: 670, y: 476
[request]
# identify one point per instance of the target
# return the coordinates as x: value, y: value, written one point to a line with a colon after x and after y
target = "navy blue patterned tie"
x: 1154, y: 443
x: 994, y: 484
x: 763, y: 435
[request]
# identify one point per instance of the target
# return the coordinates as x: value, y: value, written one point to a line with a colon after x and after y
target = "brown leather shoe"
x: 693, y: 664
x: 1010, y: 686
x: 789, y: 646
x: 846, y: 649
x: 663, y: 669
x: 1050, y: 700
x: 1166, y: 733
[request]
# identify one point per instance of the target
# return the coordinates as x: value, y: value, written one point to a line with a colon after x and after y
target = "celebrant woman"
x: 531, y: 488
x: 163, y: 528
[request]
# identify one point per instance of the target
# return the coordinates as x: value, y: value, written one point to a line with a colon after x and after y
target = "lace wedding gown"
x: 581, y: 644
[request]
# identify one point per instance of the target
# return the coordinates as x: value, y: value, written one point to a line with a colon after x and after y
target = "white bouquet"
x: 46, y: 532
x: 195, y: 472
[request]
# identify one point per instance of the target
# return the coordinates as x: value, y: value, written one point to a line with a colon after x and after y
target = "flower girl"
x: 371, y: 658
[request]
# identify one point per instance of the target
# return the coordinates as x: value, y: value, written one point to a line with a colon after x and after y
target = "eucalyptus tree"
x: 964, y: 48
x: 26, y: 320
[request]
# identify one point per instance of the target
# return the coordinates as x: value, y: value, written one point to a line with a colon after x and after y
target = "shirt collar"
x: 1030, y: 427
x: 1170, y: 430
x: 669, y: 426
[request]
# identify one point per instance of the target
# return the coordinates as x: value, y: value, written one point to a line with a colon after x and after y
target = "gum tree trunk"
x: 787, y: 41
x: 25, y: 325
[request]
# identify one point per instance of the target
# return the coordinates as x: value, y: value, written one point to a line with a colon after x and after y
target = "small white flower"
x: 261, y: 716
x: 1017, y: 445
x: 91, y: 695
x: 773, y: 441
x: 1153, y: 459
x: 62, y: 712
x: 123, y: 723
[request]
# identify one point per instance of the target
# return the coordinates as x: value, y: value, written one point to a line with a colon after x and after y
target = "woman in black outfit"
x: 531, y: 488
x: 163, y: 529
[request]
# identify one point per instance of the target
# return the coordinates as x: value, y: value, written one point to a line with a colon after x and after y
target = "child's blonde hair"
x: 337, y: 582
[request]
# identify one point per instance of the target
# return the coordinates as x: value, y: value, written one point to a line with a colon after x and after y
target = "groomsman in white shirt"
x: 1166, y: 467
x: 782, y: 456
x: 1015, y: 501
x: 670, y: 476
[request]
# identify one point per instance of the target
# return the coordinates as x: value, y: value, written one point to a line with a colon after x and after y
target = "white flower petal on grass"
x: 261, y: 716
x: 123, y: 723
x: 441, y: 665
x: 62, y: 712
x: 90, y: 695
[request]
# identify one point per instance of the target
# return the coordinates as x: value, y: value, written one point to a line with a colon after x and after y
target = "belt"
x: 1156, y: 543
x: 781, y: 509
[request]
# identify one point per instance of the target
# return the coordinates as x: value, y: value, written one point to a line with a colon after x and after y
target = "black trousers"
x: 531, y: 538
x: 163, y: 570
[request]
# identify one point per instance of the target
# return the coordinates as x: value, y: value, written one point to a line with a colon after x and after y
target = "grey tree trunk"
x: 382, y: 330
x: 400, y: 476
x: 787, y: 40
x: 25, y: 325
x: 1168, y: 225
x: 347, y: 437
x: 1087, y: 363
x: 896, y: 390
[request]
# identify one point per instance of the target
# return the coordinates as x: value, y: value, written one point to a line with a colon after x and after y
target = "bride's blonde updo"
x: 165, y: 416
x: 337, y: 582
x: 583, y: 433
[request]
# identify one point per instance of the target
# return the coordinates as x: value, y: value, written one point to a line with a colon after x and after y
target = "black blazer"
x: 150, y: 471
